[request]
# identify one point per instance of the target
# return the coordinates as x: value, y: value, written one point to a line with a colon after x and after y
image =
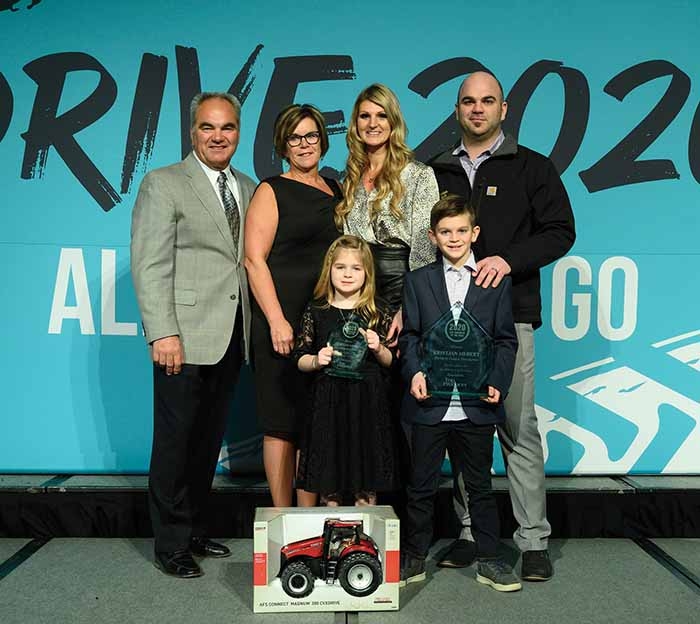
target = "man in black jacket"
x: 526, y: 223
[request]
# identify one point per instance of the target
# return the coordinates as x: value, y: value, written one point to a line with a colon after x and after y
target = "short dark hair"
x: 451, y: 205
x: 289, y: 118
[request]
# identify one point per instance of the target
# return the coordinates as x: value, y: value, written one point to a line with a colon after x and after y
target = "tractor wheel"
x: 297, y: 579
x: 360, y: 574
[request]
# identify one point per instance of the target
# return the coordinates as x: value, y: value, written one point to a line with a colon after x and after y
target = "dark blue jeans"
x: 471, y: 452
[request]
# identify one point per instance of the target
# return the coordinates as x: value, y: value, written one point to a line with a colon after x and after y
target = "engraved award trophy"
x: 458, y: 355
x: 349, y: 346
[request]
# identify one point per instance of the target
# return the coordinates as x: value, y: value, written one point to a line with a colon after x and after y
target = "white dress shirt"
x: 213, y: 177
x: 470, y: 166
x: 457, y: 281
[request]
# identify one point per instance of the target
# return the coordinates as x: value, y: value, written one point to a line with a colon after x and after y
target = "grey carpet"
x: 96, y: 581
x: 9, y: 546
x: 685, y: 551
x: 595, y: 582
x: 105, y: 581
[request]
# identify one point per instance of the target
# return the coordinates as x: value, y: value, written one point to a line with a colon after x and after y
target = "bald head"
x: 480, y: 110
x: 481, y: 78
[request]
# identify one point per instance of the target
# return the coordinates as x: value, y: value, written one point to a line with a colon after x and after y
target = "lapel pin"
x: 491, y: 191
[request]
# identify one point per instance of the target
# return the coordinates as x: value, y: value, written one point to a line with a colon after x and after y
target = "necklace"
x: 370, y: 177
x: 350, y: 326
x: 346, y: 318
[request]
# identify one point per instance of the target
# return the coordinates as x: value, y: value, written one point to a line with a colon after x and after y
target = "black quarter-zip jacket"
x: 524, y: 213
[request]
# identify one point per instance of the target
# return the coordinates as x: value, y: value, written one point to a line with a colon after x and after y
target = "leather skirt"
x: 390, y: 265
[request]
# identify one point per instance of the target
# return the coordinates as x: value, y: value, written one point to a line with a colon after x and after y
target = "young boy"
x: 466, y: 425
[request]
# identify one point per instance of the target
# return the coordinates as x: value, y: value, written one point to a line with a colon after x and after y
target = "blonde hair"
x: 398, y: 155
x: 324, y: 291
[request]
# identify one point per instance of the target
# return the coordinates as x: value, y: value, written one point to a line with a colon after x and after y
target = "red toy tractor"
x: 343, y: 552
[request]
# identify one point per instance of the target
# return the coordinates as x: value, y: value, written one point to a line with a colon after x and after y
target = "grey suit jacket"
x: 188, y: 280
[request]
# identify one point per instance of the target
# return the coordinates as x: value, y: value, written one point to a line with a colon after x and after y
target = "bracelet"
x: 314, y: 363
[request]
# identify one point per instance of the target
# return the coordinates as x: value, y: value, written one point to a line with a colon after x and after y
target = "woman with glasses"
x: 387, y: 195
x: 289, y: 226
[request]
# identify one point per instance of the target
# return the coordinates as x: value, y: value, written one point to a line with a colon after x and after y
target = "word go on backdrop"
x: 619, y: 353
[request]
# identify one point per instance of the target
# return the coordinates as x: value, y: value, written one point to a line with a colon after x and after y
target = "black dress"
x: 304, y: 232
x: 349, y: 445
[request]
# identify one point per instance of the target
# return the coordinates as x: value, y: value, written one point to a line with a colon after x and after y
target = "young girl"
x: 349, y: 445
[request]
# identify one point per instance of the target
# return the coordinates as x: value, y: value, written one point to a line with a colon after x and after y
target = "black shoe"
x: 536, y: 566
x: 204, y: 547
x: 412, y: 570
x: 460, y: 554
x: 178, y: 563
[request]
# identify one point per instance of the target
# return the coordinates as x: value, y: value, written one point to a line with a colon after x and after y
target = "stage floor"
x: 92, y: 580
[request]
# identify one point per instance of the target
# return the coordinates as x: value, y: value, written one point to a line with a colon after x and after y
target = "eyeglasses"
x: 294, y: 140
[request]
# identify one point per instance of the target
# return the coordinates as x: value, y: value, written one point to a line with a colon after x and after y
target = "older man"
x: 526, y: 223
x: 186, y: 252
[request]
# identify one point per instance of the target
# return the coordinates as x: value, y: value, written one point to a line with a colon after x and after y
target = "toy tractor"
x: 343, y: 552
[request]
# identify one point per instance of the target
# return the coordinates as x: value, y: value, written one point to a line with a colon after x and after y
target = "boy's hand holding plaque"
x: 458, y: 355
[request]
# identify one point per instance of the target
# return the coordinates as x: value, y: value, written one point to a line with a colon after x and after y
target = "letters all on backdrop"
x: 93, y: 95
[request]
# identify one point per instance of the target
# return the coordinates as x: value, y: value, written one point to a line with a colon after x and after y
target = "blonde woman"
x: 387, y: 194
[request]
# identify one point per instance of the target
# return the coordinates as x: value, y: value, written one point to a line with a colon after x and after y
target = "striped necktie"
x: 230, y: 208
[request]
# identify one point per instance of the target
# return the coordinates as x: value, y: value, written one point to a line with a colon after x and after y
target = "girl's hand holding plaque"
x: 349, y: 349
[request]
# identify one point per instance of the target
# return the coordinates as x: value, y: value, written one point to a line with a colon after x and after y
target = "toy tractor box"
x: 325, y: 559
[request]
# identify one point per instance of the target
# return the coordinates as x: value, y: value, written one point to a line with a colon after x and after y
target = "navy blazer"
x: 425, y: 300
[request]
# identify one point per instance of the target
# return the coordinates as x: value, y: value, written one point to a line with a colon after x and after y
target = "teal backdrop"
x: 93, y: 95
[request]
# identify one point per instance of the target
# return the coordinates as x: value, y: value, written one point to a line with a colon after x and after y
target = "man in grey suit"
x: 186, y: 252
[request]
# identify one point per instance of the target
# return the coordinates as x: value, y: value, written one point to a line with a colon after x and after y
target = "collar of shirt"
x: 213, y: 177
x: 468, y: 267
x: 462, y: 151
x: 457, y: 281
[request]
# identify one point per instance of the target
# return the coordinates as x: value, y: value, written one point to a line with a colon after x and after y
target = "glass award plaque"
x: 350, y: 349
x: 458, y: 355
